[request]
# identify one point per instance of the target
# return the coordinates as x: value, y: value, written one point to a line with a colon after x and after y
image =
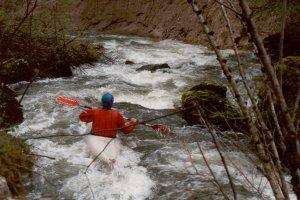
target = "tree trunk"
x: 254, y: 133
x: 275, y: 86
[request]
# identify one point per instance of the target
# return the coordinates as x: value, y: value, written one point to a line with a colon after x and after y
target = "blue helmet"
x: 107, y: 100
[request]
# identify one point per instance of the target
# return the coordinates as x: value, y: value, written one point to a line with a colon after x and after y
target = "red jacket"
x: 106, y: 122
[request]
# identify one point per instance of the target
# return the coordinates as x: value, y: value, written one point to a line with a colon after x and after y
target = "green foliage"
x: 15, y: 162
x: 40, y: 42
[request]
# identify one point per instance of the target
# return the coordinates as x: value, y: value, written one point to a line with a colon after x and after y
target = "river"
x: 150, y: 166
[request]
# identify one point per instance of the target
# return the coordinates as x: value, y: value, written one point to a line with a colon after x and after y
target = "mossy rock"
x: 217, y: 89
x: 10, y: 110
x: 15, y: 162
x: 229, y: 119
x: 216, y: 108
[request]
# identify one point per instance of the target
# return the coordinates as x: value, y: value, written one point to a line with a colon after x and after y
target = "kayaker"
x: 105, y: 124
x: 106, y: 121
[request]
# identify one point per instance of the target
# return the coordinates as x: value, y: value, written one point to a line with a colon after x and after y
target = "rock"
x: 154, y: 67
x: 216, y: 108
x: 129, y: 62
x: 10, y: 109
x: 62, y: 71
x: 15, y: 162
x: 4, y: 190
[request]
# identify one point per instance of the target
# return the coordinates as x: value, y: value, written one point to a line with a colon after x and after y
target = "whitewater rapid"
x: 149, y: 166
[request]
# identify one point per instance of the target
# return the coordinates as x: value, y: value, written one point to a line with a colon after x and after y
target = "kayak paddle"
x: 71, y: 102
x: 63, y: 100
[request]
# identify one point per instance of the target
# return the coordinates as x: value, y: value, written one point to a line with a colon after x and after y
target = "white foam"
x: 127, y: 180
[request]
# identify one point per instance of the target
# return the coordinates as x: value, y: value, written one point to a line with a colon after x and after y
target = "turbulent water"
x: 150, y: 166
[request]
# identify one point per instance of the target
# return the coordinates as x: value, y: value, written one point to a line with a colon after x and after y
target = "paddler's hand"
x: 134, y: 121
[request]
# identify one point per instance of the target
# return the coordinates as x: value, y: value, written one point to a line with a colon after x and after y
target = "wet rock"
x: 129, y: 62
x: 216, y: 108
x: 10, y: 109
x: 63, y: 71
x: 15, y: 162
x: 154, y: 67
x: 4, y: 190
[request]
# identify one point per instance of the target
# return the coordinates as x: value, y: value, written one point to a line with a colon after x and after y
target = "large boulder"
x: 10, y: 109
x: 215, y: 107
x: 154, y: 67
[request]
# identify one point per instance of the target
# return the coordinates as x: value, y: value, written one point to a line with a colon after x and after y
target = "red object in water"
x: 67, y: 101
x: 106, y: 122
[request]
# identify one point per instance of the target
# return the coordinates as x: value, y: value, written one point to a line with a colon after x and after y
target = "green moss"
x: 216, y: 108
x: 15, y: 162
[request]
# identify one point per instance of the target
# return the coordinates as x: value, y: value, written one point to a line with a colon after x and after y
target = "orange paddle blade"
x: 67, y: 101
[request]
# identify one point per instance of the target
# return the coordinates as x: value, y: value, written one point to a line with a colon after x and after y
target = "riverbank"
x: 174, y: 19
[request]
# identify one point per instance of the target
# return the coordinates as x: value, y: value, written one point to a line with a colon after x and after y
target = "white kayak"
x: 96, y: 144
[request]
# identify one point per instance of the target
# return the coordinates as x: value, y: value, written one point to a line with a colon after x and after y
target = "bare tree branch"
x: 262, y: 153
x: 276, y: 88
x: 212, y: 173
x: 212, y: 133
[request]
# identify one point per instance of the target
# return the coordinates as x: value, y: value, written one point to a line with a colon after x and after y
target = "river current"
x: 150, y: 166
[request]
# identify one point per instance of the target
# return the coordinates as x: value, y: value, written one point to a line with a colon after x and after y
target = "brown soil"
x: 158, y: 19
x: 174, y: 19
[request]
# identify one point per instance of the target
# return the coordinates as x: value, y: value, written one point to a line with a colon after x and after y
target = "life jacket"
x: 106, y: 122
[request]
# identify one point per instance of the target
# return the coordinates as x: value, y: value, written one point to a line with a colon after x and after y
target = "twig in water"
x: 212, y: 133
x: 44, y: 156
x: 190, y: 157
x: 90, y: 186
x: 212, y: 173
x: 52, y: 136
